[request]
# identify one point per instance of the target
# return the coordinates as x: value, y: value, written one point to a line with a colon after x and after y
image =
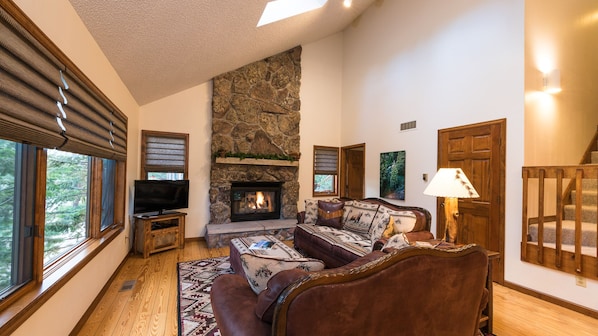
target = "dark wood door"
x: 353, y: 171
x: 479, y: 150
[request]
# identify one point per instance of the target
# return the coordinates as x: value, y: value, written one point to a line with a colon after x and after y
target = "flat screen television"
x: 160, y: 195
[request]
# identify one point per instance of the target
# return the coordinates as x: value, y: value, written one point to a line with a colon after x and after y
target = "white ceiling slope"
x: 162, y: 47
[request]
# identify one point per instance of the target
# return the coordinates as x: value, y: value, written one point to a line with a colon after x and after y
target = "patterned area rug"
x: 195, y: 282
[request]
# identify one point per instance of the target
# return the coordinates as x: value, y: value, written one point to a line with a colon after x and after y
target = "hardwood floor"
x: 150, y: 306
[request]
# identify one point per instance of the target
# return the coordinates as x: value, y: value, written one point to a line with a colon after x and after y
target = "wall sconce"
x: 551, y: 81
x: 347, y: 3
x: 452, y: 184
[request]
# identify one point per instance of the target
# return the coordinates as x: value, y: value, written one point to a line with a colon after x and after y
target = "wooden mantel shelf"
x: 257, y: 162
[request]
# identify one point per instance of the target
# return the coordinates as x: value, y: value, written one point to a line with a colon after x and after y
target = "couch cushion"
x: 360, y: 216
x: 405, y: 220
x: 259, y: 269
x: 357, y: 244
x: 330, y: 214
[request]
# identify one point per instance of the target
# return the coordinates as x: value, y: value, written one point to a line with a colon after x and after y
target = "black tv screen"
x: 160, y: 195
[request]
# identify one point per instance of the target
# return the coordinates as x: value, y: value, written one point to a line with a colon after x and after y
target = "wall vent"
x: 408, y: 125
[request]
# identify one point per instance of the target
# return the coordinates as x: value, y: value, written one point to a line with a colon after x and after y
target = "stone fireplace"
x: 255, y: 113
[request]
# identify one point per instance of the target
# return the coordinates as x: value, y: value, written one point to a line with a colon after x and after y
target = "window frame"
x: 318, y: 150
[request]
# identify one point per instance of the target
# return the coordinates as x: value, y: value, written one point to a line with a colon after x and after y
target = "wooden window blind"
x: 164, y: 152
x: 325, y: 160
x: 46, y: 101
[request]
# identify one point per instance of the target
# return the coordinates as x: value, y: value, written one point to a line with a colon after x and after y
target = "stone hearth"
x: 255, y: 110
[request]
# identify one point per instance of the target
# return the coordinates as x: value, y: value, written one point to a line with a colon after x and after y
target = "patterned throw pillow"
x: 259, y: 269
x: 360, y: 217
x: 390, y: 228
x: 379, y: 225
x: 405, y: 220
x: 397, y: 241
x: 347, y: 209
x: 330, y: 214
x: 311, y: 210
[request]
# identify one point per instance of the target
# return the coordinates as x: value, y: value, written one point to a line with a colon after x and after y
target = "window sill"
x: 17, y: 312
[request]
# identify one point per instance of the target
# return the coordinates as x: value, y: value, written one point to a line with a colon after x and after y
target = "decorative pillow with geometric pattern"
x: 404, y: 220
x: 397, y: 241
x: 379, y: 225
x: 259, y: 269
x: 360, y: 217
x: 330, y: 214
x: 311, y: 209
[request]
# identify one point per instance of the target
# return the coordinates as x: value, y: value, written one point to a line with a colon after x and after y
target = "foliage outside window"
x: 325, y: 171
x: 164, y: 155
x: 67, y: 183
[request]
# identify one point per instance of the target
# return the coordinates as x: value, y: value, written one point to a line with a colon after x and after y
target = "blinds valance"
x: 325, y: 161
x: 46, y: 101
x: 165, y: 151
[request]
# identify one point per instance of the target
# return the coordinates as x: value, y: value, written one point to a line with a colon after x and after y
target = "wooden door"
x: 479, y: 150
x: 353, y: 171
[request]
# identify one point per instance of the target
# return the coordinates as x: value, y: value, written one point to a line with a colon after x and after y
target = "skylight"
x: 277, y: 10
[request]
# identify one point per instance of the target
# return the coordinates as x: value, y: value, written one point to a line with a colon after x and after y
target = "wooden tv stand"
x: 159, y: 232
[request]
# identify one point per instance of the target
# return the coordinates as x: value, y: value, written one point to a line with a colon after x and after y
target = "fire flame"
x: 259, y: 200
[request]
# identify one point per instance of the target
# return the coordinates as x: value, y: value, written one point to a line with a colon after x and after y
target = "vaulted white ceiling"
x: 162, y: 47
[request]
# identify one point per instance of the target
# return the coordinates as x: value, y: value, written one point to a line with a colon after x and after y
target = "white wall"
x: 58, y: 20
x: 189, y: 111
x: 321, y: 88
x: 443, y: 66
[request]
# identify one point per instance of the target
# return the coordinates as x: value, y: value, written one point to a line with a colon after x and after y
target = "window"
x: 63, y: 151
x: 164, y: 155
x: 66, y: 225
x: 325, y: 171
x: 16, y: 216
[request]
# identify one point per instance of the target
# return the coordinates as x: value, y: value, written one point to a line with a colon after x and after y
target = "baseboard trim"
x: 552, y: 299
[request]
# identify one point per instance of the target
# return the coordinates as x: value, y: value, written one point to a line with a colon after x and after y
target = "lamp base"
x: 451, y: 211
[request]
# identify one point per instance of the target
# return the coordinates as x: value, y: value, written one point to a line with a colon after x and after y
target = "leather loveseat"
x: 411, y: 291
x: 355, y: 233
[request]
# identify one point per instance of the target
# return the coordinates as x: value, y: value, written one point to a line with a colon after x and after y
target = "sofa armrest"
x: 301, y: 217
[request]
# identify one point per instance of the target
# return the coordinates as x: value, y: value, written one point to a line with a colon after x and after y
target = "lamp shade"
x: 451, y: 182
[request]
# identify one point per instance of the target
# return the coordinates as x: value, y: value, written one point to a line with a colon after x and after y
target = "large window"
x: 63, y: 148
x: 325, y: 171
x: 164, y: 155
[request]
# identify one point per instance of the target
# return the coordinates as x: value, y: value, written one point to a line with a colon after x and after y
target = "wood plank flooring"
x: 150, y: 307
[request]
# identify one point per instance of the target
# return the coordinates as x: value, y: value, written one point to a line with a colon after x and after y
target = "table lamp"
x: 451, y: 183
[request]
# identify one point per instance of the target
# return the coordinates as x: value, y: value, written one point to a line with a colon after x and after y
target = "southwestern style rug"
x: 195, y: 282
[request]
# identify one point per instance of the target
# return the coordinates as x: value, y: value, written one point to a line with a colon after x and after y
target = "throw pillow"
x: 405, y: 220
x: 330, y: 214
x: 390, y: 228
x: 379, y: 225
x: 311, y: 211
x: 397, y: 241
x: 259, y: 269
x: 360, y: 217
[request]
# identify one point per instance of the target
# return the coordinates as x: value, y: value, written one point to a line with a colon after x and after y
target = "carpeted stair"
x: 589, y: 216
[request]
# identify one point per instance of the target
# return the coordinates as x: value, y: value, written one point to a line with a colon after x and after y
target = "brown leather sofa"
x: 412, y: 291
x: 336, y: 253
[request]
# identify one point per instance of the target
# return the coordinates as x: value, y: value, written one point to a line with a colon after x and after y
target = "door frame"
x: 343, y: 170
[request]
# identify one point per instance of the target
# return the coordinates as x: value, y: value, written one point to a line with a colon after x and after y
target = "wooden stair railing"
x: 579, y: 260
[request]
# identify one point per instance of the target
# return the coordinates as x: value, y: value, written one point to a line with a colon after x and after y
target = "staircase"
x: 589, y: 213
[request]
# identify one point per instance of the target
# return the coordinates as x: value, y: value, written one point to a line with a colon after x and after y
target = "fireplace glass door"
x: 255, y: 201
